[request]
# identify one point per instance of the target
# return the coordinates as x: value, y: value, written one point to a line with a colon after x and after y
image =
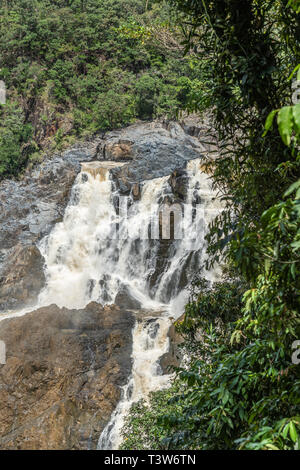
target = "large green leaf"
x: 269, y: 121
x: 296, y: 116
x: 285, y: 124
x: 293, y: 432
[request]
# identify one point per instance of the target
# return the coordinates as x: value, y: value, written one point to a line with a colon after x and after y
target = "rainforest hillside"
x: 73, y: 68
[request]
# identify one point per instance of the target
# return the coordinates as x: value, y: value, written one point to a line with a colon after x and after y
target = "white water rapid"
x: 150, y: 342
x: 107, y: 245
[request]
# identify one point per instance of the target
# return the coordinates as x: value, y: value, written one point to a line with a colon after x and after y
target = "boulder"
x: 156, y: 150
x: 125, y: 300
x: 179, y: 183
x: 22, y: 277
x: 62, y: 377
x: 118, y: 152
x: 173, y: 357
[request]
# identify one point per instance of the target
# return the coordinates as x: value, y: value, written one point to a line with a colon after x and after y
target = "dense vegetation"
x: 73, y: 68
x: 241, y: 388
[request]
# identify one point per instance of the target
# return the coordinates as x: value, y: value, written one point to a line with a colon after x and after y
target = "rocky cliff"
x: 64, y: 368
x: 62, y: 376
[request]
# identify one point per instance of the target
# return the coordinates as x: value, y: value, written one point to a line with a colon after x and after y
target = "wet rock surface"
x: 62, y: 376
x: 21, y: 285
x: 174, y: 356
x: 30, y: 208
x: 125, y: 300
x: 156, y: 151
x: 179, y: 183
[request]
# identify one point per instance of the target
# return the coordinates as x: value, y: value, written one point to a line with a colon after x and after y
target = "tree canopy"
x: 242, y: 388
x: 74, y: 68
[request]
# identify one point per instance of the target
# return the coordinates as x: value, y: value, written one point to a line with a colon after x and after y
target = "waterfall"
x: 95, y: 252
x: 101, y: 248
x: 108, y: 244
x: 150, y: 342
x: 200, y: 208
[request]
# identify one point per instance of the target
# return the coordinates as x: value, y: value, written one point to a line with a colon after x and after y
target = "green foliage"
x: 241, y: 388
x: 239, y: 391
x: 75, y: 68
x: 147, y: 89
x: 140, y: 431
x: 15, y: 140
x: 288, y: 119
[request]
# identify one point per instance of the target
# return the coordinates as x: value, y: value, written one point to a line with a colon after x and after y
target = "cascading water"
x: 101, y: 248
x: 200, y: 208
x: 108, y: 244
x: 150, y: 342
x: 95, y: 252
x: 150, y: 339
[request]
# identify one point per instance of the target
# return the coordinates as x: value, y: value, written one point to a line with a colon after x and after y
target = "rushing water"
x: 94, y: 252
x: 150, y: 342
x: 108, y: 244
x: 101, y: 247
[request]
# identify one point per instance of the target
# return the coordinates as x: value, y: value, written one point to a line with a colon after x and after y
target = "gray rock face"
x: 156, y: 150
x: 22, y: 284
x: 29, y: 208
x: 175, y: 354
x: 125, y: 300
x: 62, y: 376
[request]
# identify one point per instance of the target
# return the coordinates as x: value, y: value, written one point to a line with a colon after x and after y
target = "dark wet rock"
x: 173, y: 357
x: 125, y: 300
x: 21, y: 285
x: 156, y: 150
x: 179, y: 183
x: 62, y: 376
x: 121, y: 151
x: 136, y: 191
